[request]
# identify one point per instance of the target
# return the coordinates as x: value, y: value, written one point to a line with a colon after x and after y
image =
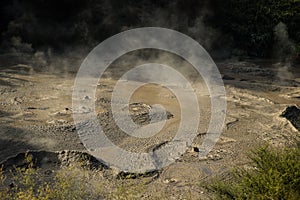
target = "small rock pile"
x: 292, y: 113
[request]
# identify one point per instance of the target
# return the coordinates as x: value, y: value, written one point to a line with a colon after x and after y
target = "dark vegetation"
x: 251, y: 23
x: 241, y: 27
x: 275, y: 174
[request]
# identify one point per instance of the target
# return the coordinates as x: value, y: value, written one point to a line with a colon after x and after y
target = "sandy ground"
x: 36, y: 114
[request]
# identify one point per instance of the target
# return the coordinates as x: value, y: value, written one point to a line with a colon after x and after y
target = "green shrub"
x: 275, y: 175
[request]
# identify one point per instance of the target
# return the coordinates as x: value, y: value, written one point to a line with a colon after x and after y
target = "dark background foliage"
x: 251, y: 23
x: 243, y: 27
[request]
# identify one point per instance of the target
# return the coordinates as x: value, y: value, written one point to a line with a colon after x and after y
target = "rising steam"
x: 284, y: 50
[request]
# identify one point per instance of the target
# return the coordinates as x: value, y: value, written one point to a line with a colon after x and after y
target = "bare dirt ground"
x: 36, y: 115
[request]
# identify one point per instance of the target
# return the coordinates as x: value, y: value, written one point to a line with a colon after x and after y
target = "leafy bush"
x: 276, y: 175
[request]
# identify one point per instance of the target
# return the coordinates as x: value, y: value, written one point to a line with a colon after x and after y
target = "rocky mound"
x: 141, y: 113
x: 292, y: 113
x: 47, y: 159
x: 50, y: 162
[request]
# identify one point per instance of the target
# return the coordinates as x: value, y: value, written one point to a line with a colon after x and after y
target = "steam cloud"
x: 32, y: 28
x: 284, y: 50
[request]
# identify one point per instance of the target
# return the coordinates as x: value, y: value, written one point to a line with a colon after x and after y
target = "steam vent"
x: 292, y: 113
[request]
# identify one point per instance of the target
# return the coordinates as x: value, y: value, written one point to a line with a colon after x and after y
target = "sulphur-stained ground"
x: 36, y: 115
